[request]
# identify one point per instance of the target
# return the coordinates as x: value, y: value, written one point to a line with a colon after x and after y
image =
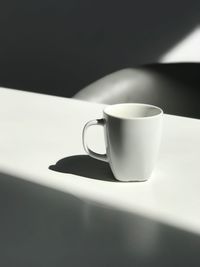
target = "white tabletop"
x: 37, y: 131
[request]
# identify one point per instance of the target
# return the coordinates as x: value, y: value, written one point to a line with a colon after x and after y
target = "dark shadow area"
x: 185, y: 73
x: 41, y: 227
x: 84, y: 166
x: 58, y: 47
x: 175, y: 88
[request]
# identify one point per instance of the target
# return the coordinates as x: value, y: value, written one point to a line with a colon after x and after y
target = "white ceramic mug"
x: 132, y: 135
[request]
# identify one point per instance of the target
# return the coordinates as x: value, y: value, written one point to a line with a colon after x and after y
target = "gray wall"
x: 59, y: 46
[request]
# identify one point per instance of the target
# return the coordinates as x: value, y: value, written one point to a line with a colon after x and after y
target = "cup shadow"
x: 85, y: 166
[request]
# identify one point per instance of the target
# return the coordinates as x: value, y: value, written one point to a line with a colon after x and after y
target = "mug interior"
x: 132, y: 111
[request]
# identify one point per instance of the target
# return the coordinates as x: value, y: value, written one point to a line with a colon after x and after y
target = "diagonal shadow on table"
x: 41, y: 226
x: 84, y: 166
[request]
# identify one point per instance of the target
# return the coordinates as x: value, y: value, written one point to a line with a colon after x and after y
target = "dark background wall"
x: 59, y: 46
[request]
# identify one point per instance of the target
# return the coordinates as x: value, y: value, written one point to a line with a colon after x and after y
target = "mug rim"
x: 105, y: 111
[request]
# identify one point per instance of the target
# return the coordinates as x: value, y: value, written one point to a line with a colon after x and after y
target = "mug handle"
x: 91, y: 153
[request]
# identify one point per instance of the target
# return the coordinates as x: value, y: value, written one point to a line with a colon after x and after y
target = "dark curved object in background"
x: 58, y: 47
x: 173, y: 87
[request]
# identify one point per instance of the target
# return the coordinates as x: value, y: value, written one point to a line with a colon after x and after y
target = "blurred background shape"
x: 187, y: 50
x: 58, y: 47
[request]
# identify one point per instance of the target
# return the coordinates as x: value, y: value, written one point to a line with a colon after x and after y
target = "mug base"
x: 132, y: 180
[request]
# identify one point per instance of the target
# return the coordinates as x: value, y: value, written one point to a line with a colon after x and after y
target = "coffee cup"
x: 132, y: 137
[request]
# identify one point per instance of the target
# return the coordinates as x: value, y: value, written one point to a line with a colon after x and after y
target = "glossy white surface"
x: 37, y: 131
